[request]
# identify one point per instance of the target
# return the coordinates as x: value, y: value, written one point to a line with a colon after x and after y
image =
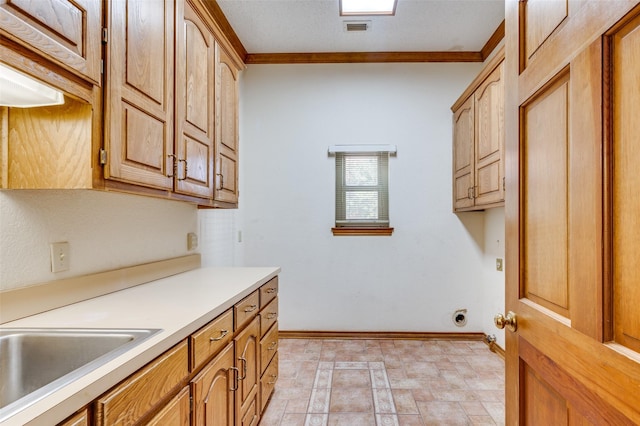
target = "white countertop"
x: 179, y: 305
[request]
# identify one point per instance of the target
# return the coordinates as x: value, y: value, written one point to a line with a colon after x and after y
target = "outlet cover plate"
x: 59, y: 256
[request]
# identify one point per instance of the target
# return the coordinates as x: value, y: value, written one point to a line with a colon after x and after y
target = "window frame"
x: 376, y: 227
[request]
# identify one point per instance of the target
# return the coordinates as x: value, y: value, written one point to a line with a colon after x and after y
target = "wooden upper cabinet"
x: 139, y: 93
x: 195, y: 118
x: 463, y: 155
x: 63, y: 31
x: 478, y: 140
x: 226, y: 155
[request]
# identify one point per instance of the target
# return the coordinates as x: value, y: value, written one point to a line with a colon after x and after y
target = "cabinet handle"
x: 222, y: 334
x: 272, y: 346
x: 469, y: 195
x: 275, y: 378
x: 251, y: 308
x: 236, y: 373
x: 272, y: 315
x: 271, y: 290
x: 244, y: 368
x: 174, y: 165
x: 185, y: 169
x: 221, y: 181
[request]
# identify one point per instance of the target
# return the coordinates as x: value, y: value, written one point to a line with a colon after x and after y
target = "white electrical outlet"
x: 192, y: 241
x: 60, y: 256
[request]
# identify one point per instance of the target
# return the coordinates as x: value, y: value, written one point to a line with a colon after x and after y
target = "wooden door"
x: 248, y: 363
x: 463, y: 155
x: 572, y: 97
x: 489, y: 139
x: 213, y: 391
x: 226, y: 127
x: 67, y: 32
x: 195, y: 119
x: 139, y: 92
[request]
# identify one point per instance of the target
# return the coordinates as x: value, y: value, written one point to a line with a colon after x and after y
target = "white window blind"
x: 362, y: 189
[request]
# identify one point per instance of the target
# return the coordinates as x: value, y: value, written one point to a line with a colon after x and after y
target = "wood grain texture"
x: 463, y: 154
x: 268, y: 292
x: 268, y: 382
x: 50, y: 147
x: 494, y: 40
x: 226, y: 146
x: 145, y: 391
x: 247, y: 359
x: 203, y: 347
x: 268, y: 317
x: 175, y: 413
x: 213, y: 399
x: 139, y: 92
x: 225, y: 31
x: 63, y: 31
x: 541, y: 18
x: 361, y: 232
x: 360, y: 57
x: 79, y: 419
x: 245, y: 310
x: 195, y: 103
x: 545, y: 228
x: 318, y: 334
x: 268, y: 347
x: 626, y: 180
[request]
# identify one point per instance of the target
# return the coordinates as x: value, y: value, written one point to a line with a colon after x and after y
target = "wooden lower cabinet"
x: 221, y: 375
x: 247, y: 359
x: 79, y: 419
x: 145, y: 391
x: 213, y: 391
x: 176, y: 413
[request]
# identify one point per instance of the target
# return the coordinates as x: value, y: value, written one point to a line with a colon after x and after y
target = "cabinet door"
x: 248, y: 363
x: 64, y: 31
x: 463, y: 151
x: 175, y: 413
x: 195, y: 119
x: 226, y: 128
x: 78, y: 419
x: 139, y: 92
x: 489, y: 138
x: 213, y: 391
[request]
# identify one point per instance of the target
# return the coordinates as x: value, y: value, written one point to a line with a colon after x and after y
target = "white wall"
x: 411, y: 281
x: 493, y: 291
x: 105, y: 231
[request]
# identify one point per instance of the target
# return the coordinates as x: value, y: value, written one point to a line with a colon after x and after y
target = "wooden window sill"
x: 344, y: 231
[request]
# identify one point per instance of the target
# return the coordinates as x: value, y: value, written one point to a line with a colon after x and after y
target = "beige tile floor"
x: 386, y: 382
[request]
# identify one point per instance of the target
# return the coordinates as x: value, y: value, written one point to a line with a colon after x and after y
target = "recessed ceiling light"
x: 367, y: 7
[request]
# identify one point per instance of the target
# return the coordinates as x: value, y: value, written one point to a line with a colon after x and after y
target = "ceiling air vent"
x: 356, y: 26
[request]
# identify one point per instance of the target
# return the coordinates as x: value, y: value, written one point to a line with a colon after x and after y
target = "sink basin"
x: 36, y: 362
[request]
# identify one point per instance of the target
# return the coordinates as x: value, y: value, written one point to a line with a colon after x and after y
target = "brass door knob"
x: 510, y: 321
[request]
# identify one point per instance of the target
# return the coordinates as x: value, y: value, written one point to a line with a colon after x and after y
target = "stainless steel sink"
x: 36, y: 362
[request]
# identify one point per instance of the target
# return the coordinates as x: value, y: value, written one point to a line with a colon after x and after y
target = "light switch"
x: 192, y: 241
x: 60, y: 256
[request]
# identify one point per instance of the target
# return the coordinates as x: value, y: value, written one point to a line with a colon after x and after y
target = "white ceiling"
x: 296, y: 26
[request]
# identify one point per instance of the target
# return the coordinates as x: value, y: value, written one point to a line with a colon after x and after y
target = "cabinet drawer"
x: 268, y: 382
x: 268, y: 292
x: 176, y: 413
x: 145, y: 390
x: 268, y: 316
x: 210, y: 339
x: 246, y: 309
x: 78, y: 419
x: 268, y: 346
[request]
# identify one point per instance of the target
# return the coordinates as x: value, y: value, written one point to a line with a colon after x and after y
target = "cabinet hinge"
x: 190, y: 404
x: 101, y: 66
x: 504, y: 184
x: 103, y: 157
x: 105, y: 35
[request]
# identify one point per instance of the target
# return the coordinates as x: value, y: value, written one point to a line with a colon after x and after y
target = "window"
x: 367, y: 7
x: 362, y: 192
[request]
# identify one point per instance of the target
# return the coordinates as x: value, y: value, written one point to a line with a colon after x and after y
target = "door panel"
x: 545, y: 237
x: 541, y: 18
x: 195, y: 123
x: 626, y: 181
x: 463, y: 160
x: 571, y: 216
x: 139, y: 93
